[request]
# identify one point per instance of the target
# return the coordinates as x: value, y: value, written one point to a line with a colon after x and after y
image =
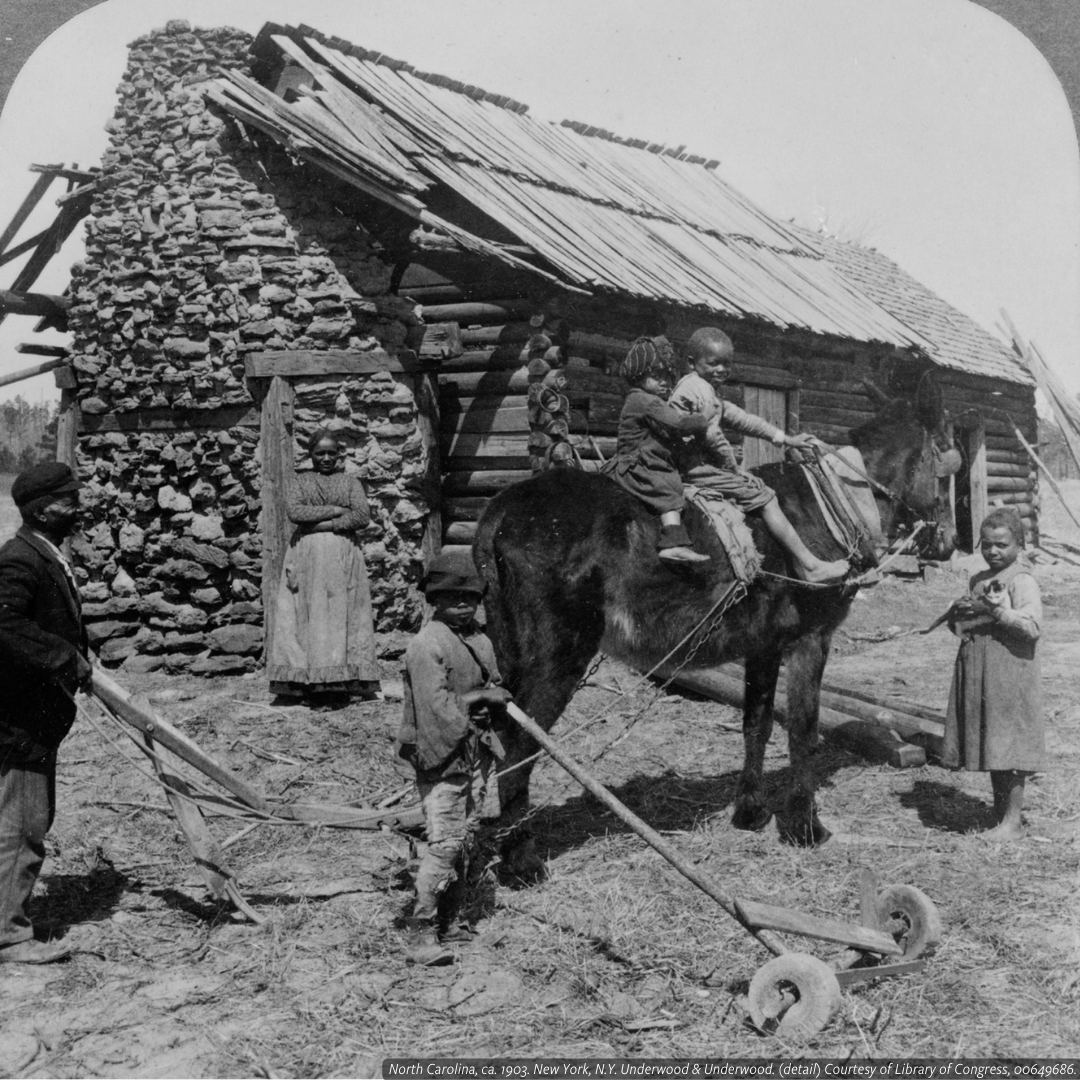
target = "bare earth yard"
x: 614, y: 955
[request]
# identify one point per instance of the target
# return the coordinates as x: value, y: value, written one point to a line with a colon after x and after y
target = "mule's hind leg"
x: 545, y: 640
x: 806, y: 666
x: 761, y: 675
x: 543, y: 693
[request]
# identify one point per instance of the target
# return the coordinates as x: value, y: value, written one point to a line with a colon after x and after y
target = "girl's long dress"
x: 995, y: 720
x: 324, y: 635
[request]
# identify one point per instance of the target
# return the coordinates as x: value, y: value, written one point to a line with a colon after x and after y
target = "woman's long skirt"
x: 995, y: 718
x: 324, y: 636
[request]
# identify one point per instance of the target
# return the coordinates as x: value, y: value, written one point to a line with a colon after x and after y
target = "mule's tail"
x: 483, y: 551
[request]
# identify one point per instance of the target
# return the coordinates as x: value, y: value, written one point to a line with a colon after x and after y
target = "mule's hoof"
x: 803, y: 833
x: 751, y: 817
x: 522, y: 865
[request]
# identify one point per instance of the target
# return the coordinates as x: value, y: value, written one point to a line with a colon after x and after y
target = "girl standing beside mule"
x: 995, y: 721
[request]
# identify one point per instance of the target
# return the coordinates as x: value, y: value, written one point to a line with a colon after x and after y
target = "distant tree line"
x: 27, y: 433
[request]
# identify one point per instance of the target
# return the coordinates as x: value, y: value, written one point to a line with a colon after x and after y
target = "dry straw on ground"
x: 614, y: 955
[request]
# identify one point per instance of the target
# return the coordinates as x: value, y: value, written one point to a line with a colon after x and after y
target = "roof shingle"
x: 956, y: 341
x: 604, y: 214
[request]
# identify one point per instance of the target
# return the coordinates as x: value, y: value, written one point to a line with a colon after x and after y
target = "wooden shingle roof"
x: 955, y: 340
x: 587, y: 210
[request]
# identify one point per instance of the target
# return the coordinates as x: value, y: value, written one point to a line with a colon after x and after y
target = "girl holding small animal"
x: 995, y: 721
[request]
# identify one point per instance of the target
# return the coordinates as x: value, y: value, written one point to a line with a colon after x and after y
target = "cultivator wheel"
x: 794, y: 994
x: 910, y: 917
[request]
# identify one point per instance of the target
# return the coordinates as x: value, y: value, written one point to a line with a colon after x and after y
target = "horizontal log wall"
x: 1000, y: 407
x: 483, y: 398
x: 483, y: 387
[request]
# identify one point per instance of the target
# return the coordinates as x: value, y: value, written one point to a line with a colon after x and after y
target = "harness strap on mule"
x: 842, y: 516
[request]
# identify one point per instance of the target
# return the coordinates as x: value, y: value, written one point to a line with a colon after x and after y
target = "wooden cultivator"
x: 794, y: 993
x: 244, y: 800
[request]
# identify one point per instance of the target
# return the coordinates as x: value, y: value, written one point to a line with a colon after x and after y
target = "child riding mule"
x: 571, y: 567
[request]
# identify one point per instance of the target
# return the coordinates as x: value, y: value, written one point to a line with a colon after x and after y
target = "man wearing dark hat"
x: 42, y: 662
x: 451, y: 690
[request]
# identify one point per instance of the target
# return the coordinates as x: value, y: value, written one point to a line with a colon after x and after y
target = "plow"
x: 160, y: 741
x: 794, y: 993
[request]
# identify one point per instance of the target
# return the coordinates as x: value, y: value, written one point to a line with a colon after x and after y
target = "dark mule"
x: 571, y: 566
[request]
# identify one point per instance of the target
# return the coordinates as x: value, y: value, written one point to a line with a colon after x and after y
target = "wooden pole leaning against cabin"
x: 277, y: 466
x: 1049, y: 476
x: 30, y: 372
x: 1066, y: 410
x: 67, y: 439
x: 39, y: 188
x: 426, y: 395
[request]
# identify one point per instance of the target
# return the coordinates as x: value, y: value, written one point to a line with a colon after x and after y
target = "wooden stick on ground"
x: 870, y: 738
x: 208, y: 854
x: 646, y: 832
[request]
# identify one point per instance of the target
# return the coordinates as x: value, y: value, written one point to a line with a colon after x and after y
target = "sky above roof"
x: 928, y: 129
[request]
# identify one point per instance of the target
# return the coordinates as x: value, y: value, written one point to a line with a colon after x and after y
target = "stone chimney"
x: 207, y: 243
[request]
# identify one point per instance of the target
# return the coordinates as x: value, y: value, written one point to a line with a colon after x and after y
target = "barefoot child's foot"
x: 1005, y: 832
x: 822, y: 572
x: 682, y: 555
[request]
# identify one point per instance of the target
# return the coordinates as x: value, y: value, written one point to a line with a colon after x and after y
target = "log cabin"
x: 292, y: 230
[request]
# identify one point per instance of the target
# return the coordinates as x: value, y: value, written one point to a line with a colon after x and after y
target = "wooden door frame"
x: 269, y: 375
x: 276, y: 467
x: 790, y: 389
x: 977, y: 475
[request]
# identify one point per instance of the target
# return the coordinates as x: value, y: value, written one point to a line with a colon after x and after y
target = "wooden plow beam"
x: 817, y: 985
x: 245, y: 800
x: 758, y: 919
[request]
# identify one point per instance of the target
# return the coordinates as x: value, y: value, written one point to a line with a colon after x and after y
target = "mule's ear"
x: 880, y: 398
x: 930, y: 404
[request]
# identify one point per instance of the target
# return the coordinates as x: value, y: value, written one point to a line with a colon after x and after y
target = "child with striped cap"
x: 650, y: 433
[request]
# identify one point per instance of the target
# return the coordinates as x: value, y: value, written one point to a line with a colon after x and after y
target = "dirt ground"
x: 614, y: 955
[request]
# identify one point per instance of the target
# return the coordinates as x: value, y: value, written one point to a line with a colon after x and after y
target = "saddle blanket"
x: 731, y: 528
x: 852, y: 497
x: 848, y: 508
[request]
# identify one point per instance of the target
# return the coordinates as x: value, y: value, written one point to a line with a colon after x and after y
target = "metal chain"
x: 733, y: 595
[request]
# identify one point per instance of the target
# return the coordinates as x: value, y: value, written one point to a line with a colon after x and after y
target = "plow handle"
x: 651, y: 837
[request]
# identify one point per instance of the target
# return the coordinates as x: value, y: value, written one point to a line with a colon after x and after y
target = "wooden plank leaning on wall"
x: 67, y: 426
x: 276, y: 465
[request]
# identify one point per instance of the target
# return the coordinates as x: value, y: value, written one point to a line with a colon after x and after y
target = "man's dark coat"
x: 41, y: 635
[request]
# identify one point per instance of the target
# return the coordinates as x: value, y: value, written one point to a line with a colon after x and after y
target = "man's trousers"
x: 27, y: 807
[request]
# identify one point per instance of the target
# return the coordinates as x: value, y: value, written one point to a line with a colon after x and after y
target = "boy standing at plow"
x: 451, y: 690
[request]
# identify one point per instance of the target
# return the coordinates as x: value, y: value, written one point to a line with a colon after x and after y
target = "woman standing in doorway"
x: 324, y: 636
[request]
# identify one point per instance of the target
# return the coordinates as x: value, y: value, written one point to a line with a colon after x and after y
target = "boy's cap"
x: 642, y: 358
x: 452, y: 571
x: 48, y: 478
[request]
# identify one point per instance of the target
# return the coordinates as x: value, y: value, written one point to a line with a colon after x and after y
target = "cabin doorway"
x: 969, y: 483
x: 770, y: 404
